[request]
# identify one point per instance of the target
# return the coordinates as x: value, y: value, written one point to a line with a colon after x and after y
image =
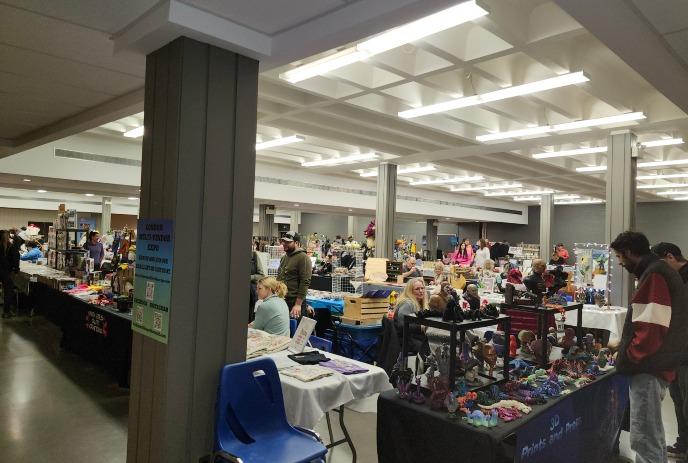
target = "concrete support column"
x: 385, y: 210
x: 295, y: 221
x: 266, y: 220
x: 431, y: 237
x: 546, y: 217
x: 351, y: 226
x: 620, y: 207
x: 198, y: 171
x: 106, y: 215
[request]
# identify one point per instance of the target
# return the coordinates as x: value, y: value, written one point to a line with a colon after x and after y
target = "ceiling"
x: 354, y: 109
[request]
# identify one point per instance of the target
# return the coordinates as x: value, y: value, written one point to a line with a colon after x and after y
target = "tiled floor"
x: 55, y: 407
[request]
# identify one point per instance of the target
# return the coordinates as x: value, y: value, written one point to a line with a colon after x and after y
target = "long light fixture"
x: 279, y: 142
x: 488, y: 187
x: 521, y: 193
x: 416, y: 30
x: 134, y: 133
x: 538, y: 198
x: 671, y: 193
x: 509, y: 92
x: 445, y: 181
x: 408, y: 170
x: 660, y: 176
x: 344, y: 160
x: 601, y: 121
x: 681, y: 198
x: 674, y: 162
x: 591, y: 169
x: 581, y: 201
x: 575, y: 152
x: 662, y: 142
x: 659, y: 187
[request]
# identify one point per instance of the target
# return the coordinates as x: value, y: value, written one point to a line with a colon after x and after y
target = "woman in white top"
x: 482, y: 254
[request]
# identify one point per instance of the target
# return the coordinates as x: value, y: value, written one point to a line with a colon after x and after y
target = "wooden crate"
x: 354, y: 321
x: 362, y: 308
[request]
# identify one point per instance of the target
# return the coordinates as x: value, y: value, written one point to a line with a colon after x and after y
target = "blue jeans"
x: 647, y: 429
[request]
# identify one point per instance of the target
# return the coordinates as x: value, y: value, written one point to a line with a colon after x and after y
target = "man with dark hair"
x: 295, y: 270
x: 671, y: 254
x: 653, y: 343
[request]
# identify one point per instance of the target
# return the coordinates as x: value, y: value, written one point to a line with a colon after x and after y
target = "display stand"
x: 542, y: 313
x: 461, y: 328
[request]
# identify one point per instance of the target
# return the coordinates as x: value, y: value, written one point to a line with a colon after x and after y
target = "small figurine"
x: 588, y: 342
x: 471, y: 374
x: 417, y: 396
x: 439, y: 387
x: 525, y: 337
x: 403, y: 389
x: 536, y: 347
x: 552, y: 336
x: 603, y: 357
x: 568, y: 340
x: 452, y: 405
x: 513, y: 345
x: 498, y: 343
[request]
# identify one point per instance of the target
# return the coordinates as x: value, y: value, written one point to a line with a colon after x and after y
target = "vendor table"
x: 542, y: 314
x: 578, y: 427
x: 335, y: 306
x: 307, y: 402
x: 611, y: 319
x: 321, y: 282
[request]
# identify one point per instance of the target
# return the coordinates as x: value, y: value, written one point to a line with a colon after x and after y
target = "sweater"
x: 654, y: 336
x: 295, y: 271
x: 95, y: 251
x: 481, y: 255
x: 272, y: 316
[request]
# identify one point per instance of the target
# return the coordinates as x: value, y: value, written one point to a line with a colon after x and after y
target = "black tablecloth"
x: 408, y: 432
x: 96, y: 333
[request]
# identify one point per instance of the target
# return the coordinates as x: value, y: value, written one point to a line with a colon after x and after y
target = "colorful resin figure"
x: 513, y: 346
x: 439, y: 387
x: 568, y: 340
x: 417, y: 396
x: 525, y: 337
x: 452, y: 404
x: 536, y: 347
x: 588, y: 342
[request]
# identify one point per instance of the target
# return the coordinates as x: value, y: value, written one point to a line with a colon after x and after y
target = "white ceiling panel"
x: 666, y: 15
x: 468, y: 42
x: 412, y: 60
x: 365, y: 75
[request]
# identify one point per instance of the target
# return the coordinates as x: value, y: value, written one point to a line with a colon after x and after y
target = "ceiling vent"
x: 69, y: 154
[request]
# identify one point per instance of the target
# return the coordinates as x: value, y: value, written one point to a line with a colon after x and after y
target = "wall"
x: 21, y: 217
x: 329, y: 225
x: 666, y: 221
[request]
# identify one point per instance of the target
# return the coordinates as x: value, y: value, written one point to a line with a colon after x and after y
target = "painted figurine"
x: 568, y: 340
x: 513, y: 346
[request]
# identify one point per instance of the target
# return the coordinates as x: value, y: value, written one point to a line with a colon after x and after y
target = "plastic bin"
x: 357, y: 342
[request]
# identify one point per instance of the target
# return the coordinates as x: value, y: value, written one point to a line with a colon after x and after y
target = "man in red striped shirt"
x: 653, y: 343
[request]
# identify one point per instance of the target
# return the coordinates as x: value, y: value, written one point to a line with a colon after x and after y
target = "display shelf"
x: 542, y: 313
x: 455, y: 328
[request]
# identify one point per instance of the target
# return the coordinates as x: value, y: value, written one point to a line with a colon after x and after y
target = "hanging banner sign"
x: 153, y: 278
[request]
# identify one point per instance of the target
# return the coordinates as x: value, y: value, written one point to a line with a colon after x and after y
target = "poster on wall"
x: 153, y: 278
x: 592, y: 265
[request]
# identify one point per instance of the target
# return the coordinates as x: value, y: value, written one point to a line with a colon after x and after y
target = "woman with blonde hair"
x: 272, y: 314
x: 412, y: 300
x: 440, y: 277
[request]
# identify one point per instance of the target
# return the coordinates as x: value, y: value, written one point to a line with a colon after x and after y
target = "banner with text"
x: 153, y: 278
x: 581, y: 427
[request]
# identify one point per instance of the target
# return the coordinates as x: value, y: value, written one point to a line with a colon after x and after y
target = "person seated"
x: 535, y: 282
x: 488, y: 271
x: 439, y: 276
x: 560, y: 256
x: 464, y: 255
x: 411, y: 301
x: 409, y: 269
x: 34, y: 252
x: 272, y: 313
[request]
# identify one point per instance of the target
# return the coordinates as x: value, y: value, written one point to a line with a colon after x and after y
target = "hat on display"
x: 290, y: 236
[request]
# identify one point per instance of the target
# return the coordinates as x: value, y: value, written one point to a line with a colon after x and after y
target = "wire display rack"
x: 275, y: 253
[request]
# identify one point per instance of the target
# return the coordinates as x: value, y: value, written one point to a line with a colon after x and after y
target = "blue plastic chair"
x: 320, y: 343
x: 251, y: 424
x: 293, y: 323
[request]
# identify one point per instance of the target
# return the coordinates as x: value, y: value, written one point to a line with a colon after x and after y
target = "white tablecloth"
x: 307, y: 402
x: 611, y: 319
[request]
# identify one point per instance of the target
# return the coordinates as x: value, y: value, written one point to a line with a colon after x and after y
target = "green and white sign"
x: 153, y: 278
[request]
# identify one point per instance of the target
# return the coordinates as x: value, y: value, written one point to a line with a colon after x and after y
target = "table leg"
x: 347, y: 437
x: 404, y: 344
x: 452, y: 357
x: 543, y: 338
x: 507, y: 338
x: 579, y: 326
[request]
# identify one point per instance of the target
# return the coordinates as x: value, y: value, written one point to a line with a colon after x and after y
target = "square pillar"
x: 295, y: 221
x: 431, y: 238
x: 546, y: 217
x: 266, y: 221
x: 106, y: 215
x: 386, y: 210
x: 198, y: 171
x: 620, y: 207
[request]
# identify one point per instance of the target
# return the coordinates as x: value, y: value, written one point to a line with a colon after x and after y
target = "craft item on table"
x: 461, y: 386
x: 479, y: 419
x: 401, y: 373
x: 343, y: 367
x: 508, y: 414
x: 308, y: 358
x: 307, y: 373
x: 568, y: 340
x: 552, y: 336
x: 536, y: 347
x: 525, y: 337
x: 603, y: 357
x: 588, y: 343
x: 557, y: 299
x: 403, y: 388
x: 417, y: 395
x: 498, y: 343
x: 439, y: 387
x: 452, y: 405
x: 513, y: 346
x: 467, y: 401
x: 485, y: 353
x: 259, y: 343
x: 491, y: 311
x: 521, y: 407
x: 471, y: 371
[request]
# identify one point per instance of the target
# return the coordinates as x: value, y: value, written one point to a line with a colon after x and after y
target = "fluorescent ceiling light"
x: 582, y: 201
x: 681, y: 198
x: 134, y: 133
x: 627, y: 117
x: 662, y: 142
x: 526, y: 198
x: 408, y: 170
x: 556, y: 154
x: 132, y: 198
x: 675, y: 162
x: 279, y: 142
x: 416, y: 30
x: 521, y: 193
x: 591, y: 169
x: 89, y: 194
x: 660, y: 176
x: 488, y: 187
x: 509, y: 92
x: 344, y: 160
x: 566, y: 196
x: 671, y: 193
x: 666, y: 185
x: 42, y: 191
x: 444, y: 181
x: 27, y: 179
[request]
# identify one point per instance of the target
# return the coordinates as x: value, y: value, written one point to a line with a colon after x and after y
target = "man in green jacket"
x: 295, y: 272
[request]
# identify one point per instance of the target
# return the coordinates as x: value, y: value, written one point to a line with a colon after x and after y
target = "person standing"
x: 482, y: 254
x: 294, y: 271
x: 95, y: 248
x: 653, y: 343
x: 678, y: 390
x: 9, y: 264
